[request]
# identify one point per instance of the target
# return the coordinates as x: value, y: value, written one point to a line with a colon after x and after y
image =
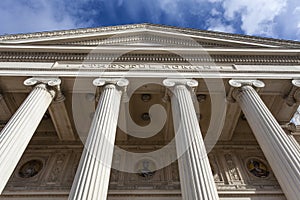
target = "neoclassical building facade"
x: 148, y: 112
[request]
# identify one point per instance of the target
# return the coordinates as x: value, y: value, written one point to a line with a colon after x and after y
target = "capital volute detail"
x: 119, y: 83
x: 241, y: 83
x: 51, y: 84
x: 190, y: 84
x: 237, y: 86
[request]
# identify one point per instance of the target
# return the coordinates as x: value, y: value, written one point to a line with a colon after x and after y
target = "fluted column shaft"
x: 17, y: 133
x: 92, y: 178
x: 196, y: 178
x: 294, y: 141
x: 278, y: 149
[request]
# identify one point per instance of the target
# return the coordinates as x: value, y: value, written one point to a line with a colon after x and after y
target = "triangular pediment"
x: 148, y: 38
x: 145, y: 35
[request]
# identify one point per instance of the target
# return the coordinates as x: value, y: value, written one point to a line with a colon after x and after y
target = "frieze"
x: 137, y: 66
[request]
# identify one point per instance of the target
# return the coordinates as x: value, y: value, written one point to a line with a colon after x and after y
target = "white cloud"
x: 32, y: 16
x: 296, y: 21
x: 214, y: 1
x: 217, y: 25
x: 257, y: 16
x: 172, y: 8
x: 269, y: 18
x: 215, y: 12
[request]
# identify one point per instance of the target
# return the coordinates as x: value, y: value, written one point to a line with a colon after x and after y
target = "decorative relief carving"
x: 30, y: 169
x: 29, y: 173
x: 57, y: 169
x: 146, y: 177
x: 146, y: 169
x: 175, y: 172
x: 257, y: 168
x: 114, y: 180
x: 259, y: 178
x: 218, y: 176
x: 232, y: 170
x: 72, y: 166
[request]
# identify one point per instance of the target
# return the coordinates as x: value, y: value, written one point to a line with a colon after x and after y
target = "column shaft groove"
x: 196, y: 178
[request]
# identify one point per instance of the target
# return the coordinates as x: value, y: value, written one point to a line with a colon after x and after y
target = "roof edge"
x: 191, y: 31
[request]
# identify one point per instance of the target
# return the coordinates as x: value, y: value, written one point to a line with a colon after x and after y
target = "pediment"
x: 149, y: 38
x: 145, y: 35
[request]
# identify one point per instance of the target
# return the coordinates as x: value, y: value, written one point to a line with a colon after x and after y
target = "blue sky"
x: 267, y: 18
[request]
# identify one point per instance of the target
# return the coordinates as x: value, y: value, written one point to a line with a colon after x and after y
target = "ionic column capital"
x: 51, y: 85
x: 294, y: 94
x: 119, y: 83
x: 170, y: 83
x: 237, y: 86
x: 47, y: 81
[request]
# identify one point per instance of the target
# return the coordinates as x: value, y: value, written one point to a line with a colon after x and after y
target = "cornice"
x: 80, y: 31
x: 238, y: 37
x: 195, y: 32
x: 121, y: 49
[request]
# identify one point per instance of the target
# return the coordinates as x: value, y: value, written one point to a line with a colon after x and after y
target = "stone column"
x: 92, y: 178
x: 282, y: 155
x: 18, y: 131
x: 196, y: 177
